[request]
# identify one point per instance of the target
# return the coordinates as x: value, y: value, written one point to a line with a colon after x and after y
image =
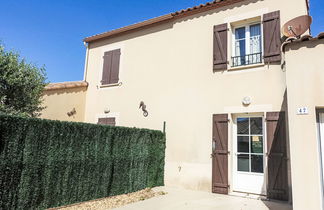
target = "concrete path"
x: 179, y: 199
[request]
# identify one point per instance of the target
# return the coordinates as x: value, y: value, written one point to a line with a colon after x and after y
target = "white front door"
x: 249, y: 158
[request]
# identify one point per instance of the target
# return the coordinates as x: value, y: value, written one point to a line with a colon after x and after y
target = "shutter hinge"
x: 277, y: 191
x: 222, y: 152
x: 221, y: 185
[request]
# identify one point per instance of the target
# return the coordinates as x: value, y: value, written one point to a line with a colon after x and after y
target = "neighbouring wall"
x: 59, y: 102
x: 305, y: 79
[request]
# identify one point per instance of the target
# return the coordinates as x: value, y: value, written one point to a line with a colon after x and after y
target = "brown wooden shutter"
x: 106, y: 68
x: 110, y: 72
x: 114, y: 77
x: 102, y: 121
x: 277, y: 156
x: 220, y: 154
x: 220, y: 47
x: 272, y: 37
x: 107, y: 121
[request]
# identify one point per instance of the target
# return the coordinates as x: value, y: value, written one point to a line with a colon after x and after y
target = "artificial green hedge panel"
x: 46, y: 163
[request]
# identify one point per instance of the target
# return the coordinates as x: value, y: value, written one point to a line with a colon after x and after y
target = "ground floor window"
x: 107, y: 121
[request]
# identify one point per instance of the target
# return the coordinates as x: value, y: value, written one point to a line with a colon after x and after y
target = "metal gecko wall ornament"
x: 71, y: 113
x: 143, y: 106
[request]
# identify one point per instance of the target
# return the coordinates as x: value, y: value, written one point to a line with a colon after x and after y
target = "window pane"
x: 256, y: 144
x: 255, y: 30
x: 240, y: 33
x: 257, y: 163
x: 240, y: 46
x: 243, y: 144
x: 255, y: 42
x: 242, y: 125
x: 243, y: 163
x: 256, y: 126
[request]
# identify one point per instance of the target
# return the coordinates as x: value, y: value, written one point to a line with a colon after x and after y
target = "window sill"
x: 111, y: 85
x: 246, y: 67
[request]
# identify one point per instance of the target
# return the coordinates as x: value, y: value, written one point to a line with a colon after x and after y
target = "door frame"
x: 234, y: 149
x: 320, y: 151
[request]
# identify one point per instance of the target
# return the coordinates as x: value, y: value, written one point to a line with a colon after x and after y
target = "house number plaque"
x: 302, y: 111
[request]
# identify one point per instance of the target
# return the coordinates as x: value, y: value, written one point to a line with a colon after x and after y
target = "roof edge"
x: 65, y: 85
x: 302, y: 39
x: 129, y: 28
x: 161, y: 19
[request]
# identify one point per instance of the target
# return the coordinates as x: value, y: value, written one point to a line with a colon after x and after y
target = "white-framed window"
x: 247, y: 45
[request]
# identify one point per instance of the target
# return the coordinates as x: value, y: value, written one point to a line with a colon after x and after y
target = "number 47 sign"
x: 302, y: 111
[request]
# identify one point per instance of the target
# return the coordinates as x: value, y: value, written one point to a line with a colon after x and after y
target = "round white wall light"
x: 246, y: 101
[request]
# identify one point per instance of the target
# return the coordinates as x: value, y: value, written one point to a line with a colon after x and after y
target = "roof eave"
x: 129, y: 28
x: 179, y: 14
x: 302, y: 39
x: 66, y: 85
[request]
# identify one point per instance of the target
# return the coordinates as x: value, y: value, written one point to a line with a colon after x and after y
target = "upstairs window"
x: 110, y: 71
x: 247, y: 46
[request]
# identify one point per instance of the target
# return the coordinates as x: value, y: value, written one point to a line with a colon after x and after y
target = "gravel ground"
x: 113, y: 202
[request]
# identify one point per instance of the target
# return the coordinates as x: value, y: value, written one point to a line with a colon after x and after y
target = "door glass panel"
x: 256, y: 125
x: 242, y: 125
x: 250, y: 144
x: 243, y: 144
x: 243, y: 163
x: 257, y: 163
x: 256, y: 144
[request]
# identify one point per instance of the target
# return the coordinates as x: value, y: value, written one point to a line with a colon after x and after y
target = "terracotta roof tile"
x: 320, y: 35
x: 185, y: 12
x: 303, y: 39
x: 65, y: 85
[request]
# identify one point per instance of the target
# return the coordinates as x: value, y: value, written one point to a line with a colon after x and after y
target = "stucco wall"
x: 305, y: 88
x: 59, y: 102
x: 169, y: 67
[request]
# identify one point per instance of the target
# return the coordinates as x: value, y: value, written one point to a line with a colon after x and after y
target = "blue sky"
x: 50, y: 33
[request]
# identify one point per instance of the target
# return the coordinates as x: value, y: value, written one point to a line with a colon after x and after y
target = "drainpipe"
x: 86, y: 61
x: 85, y: 78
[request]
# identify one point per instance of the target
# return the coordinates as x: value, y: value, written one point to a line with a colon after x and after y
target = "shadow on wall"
x: 278, y: 168
x: 306, y: 43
